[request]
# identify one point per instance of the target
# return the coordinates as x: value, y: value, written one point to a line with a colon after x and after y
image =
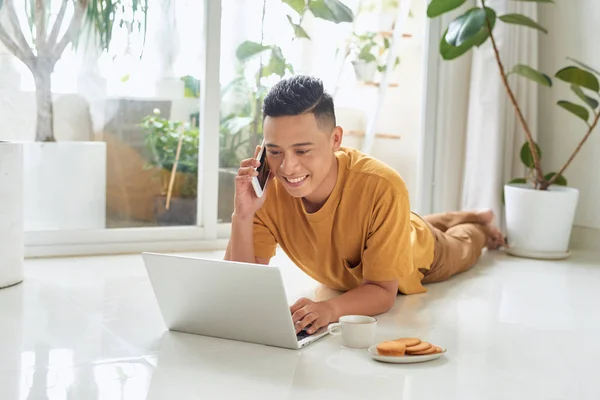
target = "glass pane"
x: 122, y: 116
x: 263, y: 41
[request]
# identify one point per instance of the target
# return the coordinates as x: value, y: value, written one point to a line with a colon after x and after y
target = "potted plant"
x: 65, y: 183
x: 177, y: 203
x: 368, y: 51
x: 540, y: 207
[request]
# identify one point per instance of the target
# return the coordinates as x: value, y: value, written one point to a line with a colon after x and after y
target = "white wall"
x: 401, y: 111
x: 560, y: 132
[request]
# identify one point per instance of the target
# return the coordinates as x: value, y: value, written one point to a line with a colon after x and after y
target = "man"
x: 341, y: 216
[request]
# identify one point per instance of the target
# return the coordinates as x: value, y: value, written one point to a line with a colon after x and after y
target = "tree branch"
x: 13, y: 47
x: 587, y: 135
x: 72, y: 31
x: 40, y: 25
x: 536, y: 159
x: 52, y: 38
x: 16, y: 26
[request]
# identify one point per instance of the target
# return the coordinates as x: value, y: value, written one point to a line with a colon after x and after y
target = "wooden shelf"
x: 377, y: 135
x: 377, y: 84
x: 389, y: 34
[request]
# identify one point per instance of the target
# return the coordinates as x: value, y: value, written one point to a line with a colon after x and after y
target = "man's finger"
x: 256, y: 151
x: 306, y: 321
x: 315, y: 326
x: 301, y: 313
x: 299, y: 304
x: 243, y: 178
x: 250, y: 162
x: 247, y: 171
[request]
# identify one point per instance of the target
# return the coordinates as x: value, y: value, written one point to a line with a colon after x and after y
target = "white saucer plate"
x: 404, y: 359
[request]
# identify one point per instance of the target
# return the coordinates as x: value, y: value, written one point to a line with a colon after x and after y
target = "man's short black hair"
x: 301, y: 94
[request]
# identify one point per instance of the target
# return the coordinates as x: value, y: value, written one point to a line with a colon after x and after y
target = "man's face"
x: 300, y: 154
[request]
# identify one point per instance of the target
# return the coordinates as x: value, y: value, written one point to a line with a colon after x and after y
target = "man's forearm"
x: 367, y: 299
x: 241, y: 242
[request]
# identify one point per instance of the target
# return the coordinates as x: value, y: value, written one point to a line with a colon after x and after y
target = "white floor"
x: 89, y: 328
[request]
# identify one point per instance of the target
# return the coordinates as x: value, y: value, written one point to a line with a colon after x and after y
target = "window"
x: 125, y: 115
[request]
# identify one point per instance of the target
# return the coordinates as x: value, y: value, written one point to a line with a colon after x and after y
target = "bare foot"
x: 495, y: 236
x: 485, y: 217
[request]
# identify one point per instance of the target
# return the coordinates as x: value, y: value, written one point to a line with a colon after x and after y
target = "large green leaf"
x: 559, y: 181
x: 519, y: 19
x: 527, y: 156
x: 576, y: 109
x: 465, y: 27
x: 593, y: 103
x: 449, y: 52
x: 579, y: 77
x: 331, y: 10
x: 584, y: 65
x: 298, y: 30
x: 249, y: 49
x: 532, y: 74
x: 439, y: 7
x: 297, y: 5
x: 276, y: 64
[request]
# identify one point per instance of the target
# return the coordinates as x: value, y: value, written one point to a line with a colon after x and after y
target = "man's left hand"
x: 311, y: 316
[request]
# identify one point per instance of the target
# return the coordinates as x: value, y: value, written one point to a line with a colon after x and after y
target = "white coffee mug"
x: 358, y: 331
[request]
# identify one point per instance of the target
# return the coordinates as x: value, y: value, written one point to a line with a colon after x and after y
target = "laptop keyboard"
x: 302, y: 335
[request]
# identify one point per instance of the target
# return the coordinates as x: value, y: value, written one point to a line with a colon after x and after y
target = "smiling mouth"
x: 296, y: 180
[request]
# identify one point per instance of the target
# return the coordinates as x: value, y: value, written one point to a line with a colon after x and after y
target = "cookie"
x: 391, y: 348
x: 431, y: 350
x: 418, y: 348
x: 408, y: 342
x: 438, y: 350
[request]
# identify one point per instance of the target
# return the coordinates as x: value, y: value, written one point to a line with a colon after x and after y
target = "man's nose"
x: 288, y: 165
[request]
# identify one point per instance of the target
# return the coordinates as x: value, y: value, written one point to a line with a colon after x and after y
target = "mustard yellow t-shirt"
x: 365, y: 230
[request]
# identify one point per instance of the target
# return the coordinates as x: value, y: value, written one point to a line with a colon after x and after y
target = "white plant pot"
x: 364, y: 71
x: 65, y: 186
x: 539, y: 223
x: 11, y: 214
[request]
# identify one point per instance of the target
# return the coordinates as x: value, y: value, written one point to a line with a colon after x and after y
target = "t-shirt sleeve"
x: 388, y: 252
x: 265, y: 243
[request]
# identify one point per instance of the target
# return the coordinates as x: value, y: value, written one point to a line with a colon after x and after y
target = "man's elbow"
x: 389, y: 293
x: 390, y: 301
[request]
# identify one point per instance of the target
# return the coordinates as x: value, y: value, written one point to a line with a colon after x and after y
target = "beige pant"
x: 458, y: 244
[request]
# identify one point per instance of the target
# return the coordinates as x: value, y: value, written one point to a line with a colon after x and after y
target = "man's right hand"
x: 246, y: 202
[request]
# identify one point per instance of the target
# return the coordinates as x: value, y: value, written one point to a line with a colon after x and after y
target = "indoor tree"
x: 41, y: 45
x: 473, y: 28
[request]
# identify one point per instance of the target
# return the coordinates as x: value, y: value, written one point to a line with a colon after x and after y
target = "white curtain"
x: 478, y: 148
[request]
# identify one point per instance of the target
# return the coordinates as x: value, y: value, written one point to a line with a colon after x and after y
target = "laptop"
x: 224, y: 299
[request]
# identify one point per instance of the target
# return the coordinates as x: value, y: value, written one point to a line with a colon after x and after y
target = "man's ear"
x: 336, y: 138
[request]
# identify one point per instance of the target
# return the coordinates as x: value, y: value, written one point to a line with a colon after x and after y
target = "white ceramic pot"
x: 539, y: 223
x: 11, y: 214
x: 364, y: 71
x: 65, y: 186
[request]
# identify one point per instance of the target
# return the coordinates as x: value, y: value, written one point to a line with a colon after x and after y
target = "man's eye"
x: 302, y: 152
x: 273, y: 152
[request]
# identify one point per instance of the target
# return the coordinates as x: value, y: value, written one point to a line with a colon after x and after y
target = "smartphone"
x: 259, y: 183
